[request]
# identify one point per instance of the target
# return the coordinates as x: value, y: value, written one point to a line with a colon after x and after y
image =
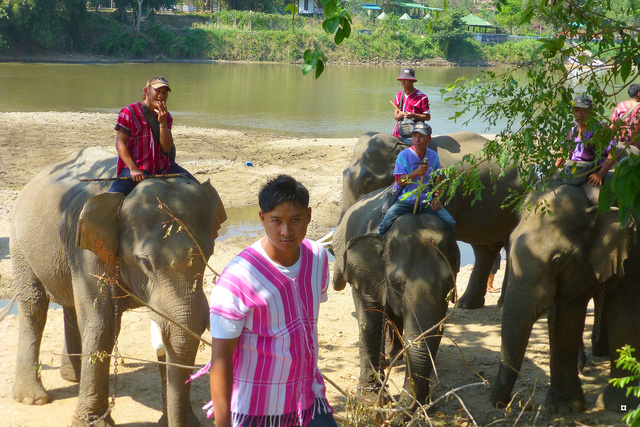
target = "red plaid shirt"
x: 142, y: 146
x: 417, y: 102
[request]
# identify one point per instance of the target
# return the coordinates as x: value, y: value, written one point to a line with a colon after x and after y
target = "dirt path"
x: 469, y: 353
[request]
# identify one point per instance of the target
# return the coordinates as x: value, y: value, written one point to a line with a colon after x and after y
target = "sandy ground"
x: 469, y: 352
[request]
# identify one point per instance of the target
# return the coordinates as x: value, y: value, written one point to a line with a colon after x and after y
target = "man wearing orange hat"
x: 411, y: 105
x: 144, y: 141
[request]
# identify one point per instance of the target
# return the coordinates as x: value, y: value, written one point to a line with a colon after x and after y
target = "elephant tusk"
x: 326, y: 237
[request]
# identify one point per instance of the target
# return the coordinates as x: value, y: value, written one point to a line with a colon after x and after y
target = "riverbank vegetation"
x: 241, y: 36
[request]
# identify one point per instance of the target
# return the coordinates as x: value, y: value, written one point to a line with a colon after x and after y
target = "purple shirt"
x: 407, y: 162
x: 583, y: 151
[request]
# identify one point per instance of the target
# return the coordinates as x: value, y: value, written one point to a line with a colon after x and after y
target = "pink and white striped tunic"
x: 276, y: 380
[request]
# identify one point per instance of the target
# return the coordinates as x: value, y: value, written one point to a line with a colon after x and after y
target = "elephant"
x: 65, y: 234
x: 406, y: 274
x: 481, y: 223
x: 558, y: 261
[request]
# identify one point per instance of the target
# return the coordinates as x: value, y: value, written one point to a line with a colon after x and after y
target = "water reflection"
x: 241, y: 221
x: 346, y: 101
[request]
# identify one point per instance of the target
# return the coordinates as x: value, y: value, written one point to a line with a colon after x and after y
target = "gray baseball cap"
x: 423, y: 128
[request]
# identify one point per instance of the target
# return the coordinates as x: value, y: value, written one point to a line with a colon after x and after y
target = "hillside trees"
x: 44, y: 23
x: 141, y: 10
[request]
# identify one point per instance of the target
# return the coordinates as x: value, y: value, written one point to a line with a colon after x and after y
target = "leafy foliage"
x: 538, y: 108
x: 629, y: 363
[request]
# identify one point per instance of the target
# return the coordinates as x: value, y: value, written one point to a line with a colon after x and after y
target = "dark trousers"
x: 126, y: 186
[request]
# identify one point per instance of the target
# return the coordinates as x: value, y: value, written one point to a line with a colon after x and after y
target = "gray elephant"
x: 403, y: 274
x: 481, y: 223
x: 557, y: 263
x: 65, y: 231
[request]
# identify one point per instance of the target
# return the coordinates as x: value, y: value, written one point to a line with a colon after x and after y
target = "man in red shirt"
x: 144, y: 139
x: 411, y: 104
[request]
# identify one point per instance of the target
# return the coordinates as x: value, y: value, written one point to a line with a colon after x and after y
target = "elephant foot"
x: 470, y: 302
x: 163, y: 421
x: 69, y: 370
x: 30, y: 394
x: 616, y: 400
x: 92, y: 421
x: 372, y: 394
x: 562, y: 404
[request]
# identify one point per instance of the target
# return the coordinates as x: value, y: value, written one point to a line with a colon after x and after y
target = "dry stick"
x: 415, y: 207
x: 163, y: 208
x: 128, y: 178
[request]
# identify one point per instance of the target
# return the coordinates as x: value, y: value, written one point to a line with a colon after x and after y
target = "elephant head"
x: 371, y: 166
x: 161, y: 262
x: 482, y: 223
x: 558, y: 259
x: 407, y: 274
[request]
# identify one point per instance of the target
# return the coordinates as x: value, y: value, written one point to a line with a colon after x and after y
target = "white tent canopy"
x: 382, y: 16
x: 405, y: 17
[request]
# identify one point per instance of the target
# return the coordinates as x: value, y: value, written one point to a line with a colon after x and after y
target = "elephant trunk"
x: 518, y: 317
x: 182, y: 349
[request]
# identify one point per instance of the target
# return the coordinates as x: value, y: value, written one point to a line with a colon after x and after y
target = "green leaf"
x: 625, y: 69
x: 319, y: 68
x: 527, y: 15
x: 331, y: 25
x: 339, y: 36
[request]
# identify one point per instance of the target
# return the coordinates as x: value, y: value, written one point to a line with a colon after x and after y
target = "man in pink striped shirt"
x: 144, y: 140
x: 264, y: 315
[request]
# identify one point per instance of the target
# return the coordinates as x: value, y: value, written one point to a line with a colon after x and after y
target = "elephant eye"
x: 144, y: 262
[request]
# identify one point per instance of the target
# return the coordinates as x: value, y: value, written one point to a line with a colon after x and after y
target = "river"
x: 345, y: 102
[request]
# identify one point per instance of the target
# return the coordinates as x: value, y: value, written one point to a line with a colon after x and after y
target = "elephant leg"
x: 505, y: 280
x: 100, y: 328
x: 33, y: 303
x: 70, y: 365
x: 566, y: 324
x: 600, y: 333
x: 485, y: 256
x: 370, y: 322
x: 623, y: 320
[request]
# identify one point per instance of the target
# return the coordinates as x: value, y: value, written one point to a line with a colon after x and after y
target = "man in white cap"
x: 411, y: 105
x: 144, y: 141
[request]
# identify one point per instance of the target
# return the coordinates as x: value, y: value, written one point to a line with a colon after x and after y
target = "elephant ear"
x: 220, y: 215
x: 99, y: 227
x: 363, y: 265
x: 610, y: 245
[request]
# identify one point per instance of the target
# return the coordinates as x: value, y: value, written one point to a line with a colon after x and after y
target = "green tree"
x: 254, y: 5
x: 141, y: 9
x: 538, y: 108
x: 448, y: 30
x: 509, y: 15
x: 30, y: 22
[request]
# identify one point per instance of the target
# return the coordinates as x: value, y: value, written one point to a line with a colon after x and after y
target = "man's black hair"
x: 634, y: 89
x: 282, y: 189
